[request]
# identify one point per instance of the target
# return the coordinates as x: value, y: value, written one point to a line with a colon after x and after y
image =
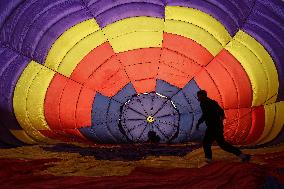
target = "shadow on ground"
x: 125, y: 152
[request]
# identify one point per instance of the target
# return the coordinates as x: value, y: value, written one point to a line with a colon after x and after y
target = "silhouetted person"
x: 213, y: 115
x: 153, y: 138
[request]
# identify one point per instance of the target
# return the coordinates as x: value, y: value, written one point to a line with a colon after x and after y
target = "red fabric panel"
x: 144, y: 86
x: 245, y: 118
x: 74, y: 135
x: 55, y: 134
x: 206, y: 82
x: 68, y: 135
x: 92, y: 61
x: 187, y: 47
x: 103, y: 73
x: 231, y: 125
x: 237, y: 125
x: 68, y: 104
x: 115, y: 83
x: 84, y: 108
x: 180, y: 62
x: 224, y: 83
x: 239, y: 75
x: 257, y: 125
x: 172, y: 76
x: 142, y: 71
x: 140, y: 56
x: 52, y: 101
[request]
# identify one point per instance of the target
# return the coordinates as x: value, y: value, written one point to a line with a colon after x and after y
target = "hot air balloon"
x: 104, y: 71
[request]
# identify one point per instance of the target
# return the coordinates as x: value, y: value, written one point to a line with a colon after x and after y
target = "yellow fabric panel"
x: 20, y: 100
x: 22, y: 136
x: 130, y: 25
x: 253, y: 68
x: 266, y: 61
x: 67, y: 40
x: 137, y: 40
x: 36, y: 96
x: 195, y: 33
x: 278, y: 123
x: 79, y: 51
x: 200, y: 19
x: 270, y: 111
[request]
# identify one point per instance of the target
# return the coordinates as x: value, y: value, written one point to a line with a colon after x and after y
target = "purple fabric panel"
x: 12, y: 66
x: 100, y: 6
x: 11, y: 22
x: 244, y: 7
x: 128, y: 10
x: 268, y: 14
x: 220, y: 12
x: 269, y: 21
x: 6, y: 8
x: 274, y: 48
x: 28, y: 18
x: 277, y: 6
x: 51, y: 35
x: 46, y: 22
x: 7, y: 137
x: 35, y: 19
x: 267, y: 27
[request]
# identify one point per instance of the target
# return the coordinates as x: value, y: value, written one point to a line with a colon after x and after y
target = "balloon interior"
x: 101, y: 72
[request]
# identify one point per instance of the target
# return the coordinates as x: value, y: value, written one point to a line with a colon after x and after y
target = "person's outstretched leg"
x: 230, y: 148
x: 207, y: 143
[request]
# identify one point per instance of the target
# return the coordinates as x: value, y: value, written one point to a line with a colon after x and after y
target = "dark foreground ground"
x: 180, y: 166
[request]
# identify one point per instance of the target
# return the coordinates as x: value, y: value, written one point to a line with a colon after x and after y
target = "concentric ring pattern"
x: 68, y: 67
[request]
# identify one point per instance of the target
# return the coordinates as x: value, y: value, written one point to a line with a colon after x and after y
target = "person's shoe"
x: 208, y: 160
x: 245, y: 157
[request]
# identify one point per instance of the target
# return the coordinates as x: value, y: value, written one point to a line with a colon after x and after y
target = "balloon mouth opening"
x: 150, y: 119
x: 149, y: 112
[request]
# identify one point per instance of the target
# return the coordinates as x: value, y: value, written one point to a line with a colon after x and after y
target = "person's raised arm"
x: 201, y: 119
x: 220, y: 110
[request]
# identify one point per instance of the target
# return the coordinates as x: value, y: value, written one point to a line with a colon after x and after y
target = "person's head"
x: 151, y: 134
x: 201, y: 95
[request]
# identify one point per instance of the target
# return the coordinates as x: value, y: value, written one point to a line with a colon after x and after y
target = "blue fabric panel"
x: 166, y: 89
x: 190, y: 90
x: 140, y: 133
x: 99, y: 118
x: 165, y: 109
x: 157, y: 104
x: 89, y: 133
x: 125, y: 94
x: 113, y: 116
x: 162, y: 129
x: 148, y: 103
x: 186, y: 117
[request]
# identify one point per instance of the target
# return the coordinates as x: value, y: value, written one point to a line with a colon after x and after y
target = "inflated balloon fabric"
x: 105, y: 71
